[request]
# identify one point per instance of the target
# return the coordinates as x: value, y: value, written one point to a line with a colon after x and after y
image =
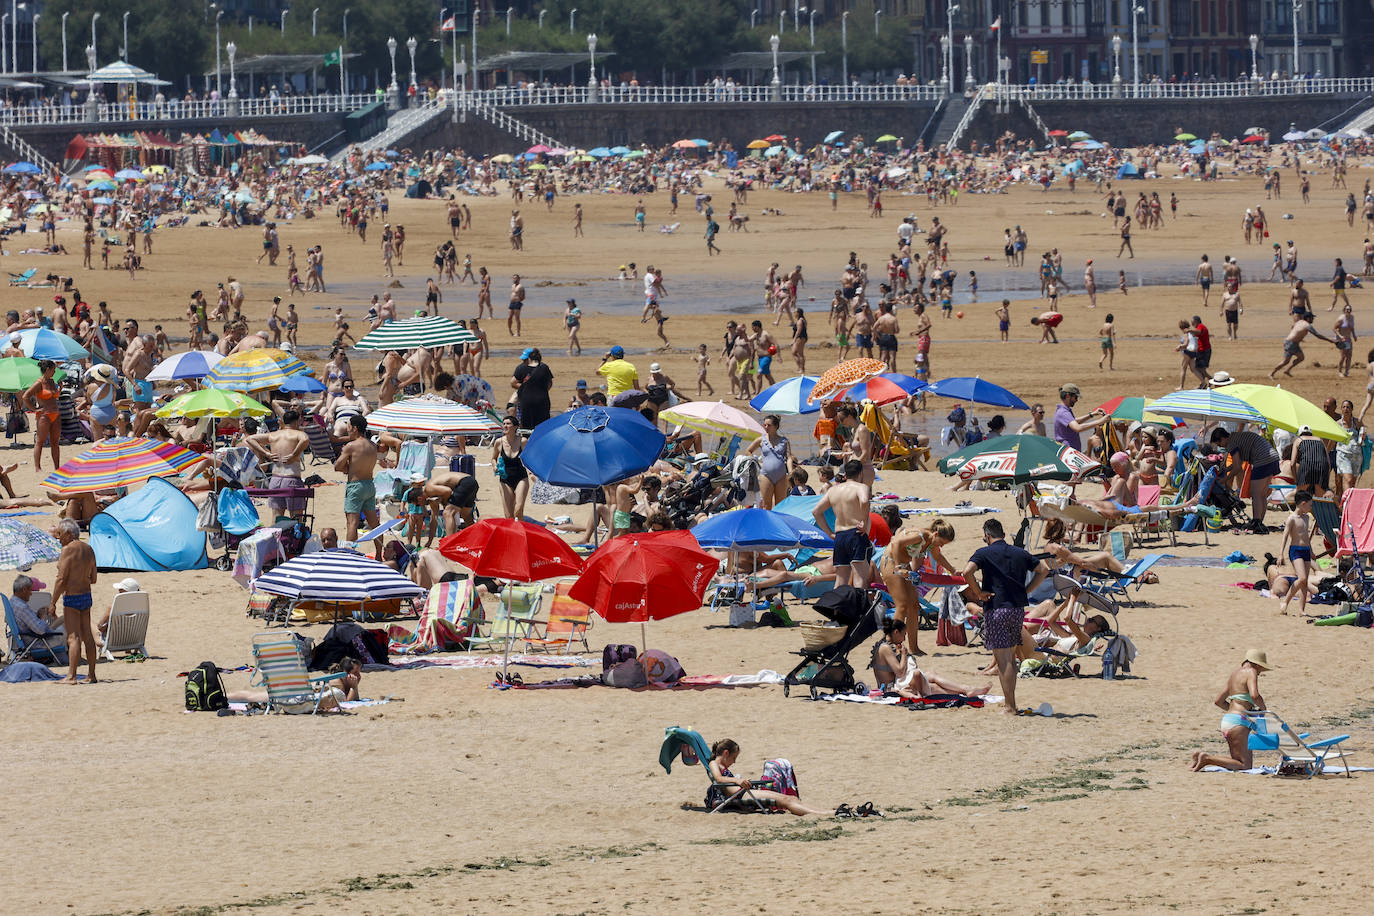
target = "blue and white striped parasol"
x: 1206, y: 404
x: 336, y: 575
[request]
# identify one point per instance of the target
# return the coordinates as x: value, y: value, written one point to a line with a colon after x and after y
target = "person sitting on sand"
x: 896, y: 670
x: 1239, y: 698
x: 724, y: 753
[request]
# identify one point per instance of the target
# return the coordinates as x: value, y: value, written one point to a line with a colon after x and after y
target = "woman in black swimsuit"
x: 510, y: 470
x: 799, y: 341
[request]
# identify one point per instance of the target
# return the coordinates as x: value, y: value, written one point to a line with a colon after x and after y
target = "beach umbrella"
x: 684, y: 144
x: 844, y: 376
x: 513, y: 549
x: 1295, y: 135
x: 17, y: 373
x: 599, y: 152
x: 700, y: 142
x: 1019, y: 458
x: 833, y: 136
x: 103, y: 184
x: 1316, y: 133
x: 1059, y: 133
x: 713, y: 417
x: 886, y: 138
x: 95, y: 168
x: 751, y: 528
x: 431, y: 415
x: 22, y: 168
x: 583, y: 158
x: 129, y: 175
x: 640, y: 577
x: 1205, y: 404
x: 591, y: 446
x: 504, y: 158
x: 1080, y: 135
x: 212, y: 402
x: 22, y: 545
x: 1287, y: 410
x: 102, y: 200
x: 430, y: 331
x: 538, y: 167
x: 118, y: 462
x: 773, y: 151
x: 537, y: 149
x: 775, y: 138
x: 759, y: 144
x: 255, y: 370
x: 376, y: 167
x: 41, y: 343
x: 619, y: 150
x: 887, y: 388
x: 1088, y: 144
x: 301, y: 384
x: 1254, y: 138
x: 191, y: 364
x: 977, y: 391
x: 473, y: 391
x: 1185, y: 136
x: 339, y: 575
x: 635, y: 154
x: 787, y: 397
x: 1133, y: 408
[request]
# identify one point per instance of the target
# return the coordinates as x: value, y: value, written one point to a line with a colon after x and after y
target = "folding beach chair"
x: 1327, y: 517
x: 1116, y: 585
x: 25, y: 646
x: 1081, y: 519
x: 513, y: 620
x: 446, y: 613
x: 281, y: 669
x: 568, y: 623
x: 321, y: 446
x: 692, y: 749
x: 1299, y: 754
x: 128, y: 626
x: 1087, y: 599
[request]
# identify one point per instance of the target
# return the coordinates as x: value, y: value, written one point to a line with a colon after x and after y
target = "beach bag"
x: 780, y: 777
x: 660, y: 667
x: 615, y: 653
x: 629, y: 674
x: 237, y: 514
x: 948, y: 633
x: 742, y: 614
x: 204, y: 689
x: 207, y: 516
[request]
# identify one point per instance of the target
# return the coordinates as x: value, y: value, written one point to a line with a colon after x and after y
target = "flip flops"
x: 864, y: 810
x: 844, y: 811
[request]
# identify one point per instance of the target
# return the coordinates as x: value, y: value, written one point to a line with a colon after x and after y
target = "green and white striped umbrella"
x: 432, y: 331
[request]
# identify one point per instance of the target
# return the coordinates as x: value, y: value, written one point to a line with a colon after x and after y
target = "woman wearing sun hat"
x: 1240, y: 699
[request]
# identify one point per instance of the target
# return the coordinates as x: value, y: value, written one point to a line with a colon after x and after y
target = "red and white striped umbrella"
x: 431, y: 415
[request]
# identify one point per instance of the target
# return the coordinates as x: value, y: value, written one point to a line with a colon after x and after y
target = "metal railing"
x: 173, y: 109
x: 969, y: 112
x: 25, y: 149
x: 516, y: 128
x: 1233, y: 89
x: 398, y: 125
x: 1035, y: 117
x: 509, y: 97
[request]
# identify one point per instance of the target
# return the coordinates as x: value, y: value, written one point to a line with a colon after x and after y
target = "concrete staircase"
x: 517, y: 128
x: 399, y: 125
x: 1363, y: 121
x: 24, y: 150
x: 951, y: 114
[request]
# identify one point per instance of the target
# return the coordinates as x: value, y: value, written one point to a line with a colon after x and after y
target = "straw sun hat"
x: 1259, y: 658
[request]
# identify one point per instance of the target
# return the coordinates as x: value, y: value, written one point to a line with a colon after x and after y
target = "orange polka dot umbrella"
x: 846, y: 375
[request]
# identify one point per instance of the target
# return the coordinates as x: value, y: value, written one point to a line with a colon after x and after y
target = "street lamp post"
x: 1136, y: 10
x: 812, y: 17
x: 944, y: 61
x: 968, y: 65
x: 411, y: 45
x: 844, y: 48
x: 232, y: 49
x: 393, y: 92
x: 876, y: 14
x: 36, y: 17
x: 950, y: 9
x: 541, y: 19
x: 1116, y: 58
x: 314, y: 22
x: 64, y: 40
x: 92, y: 102
x: 776, y: 85
x: 219, y: 81
x: 343, y: 58
x: 124, y: 51
x: 4, y: 48
x: 94, y: 18
x: 591, y: 76
x: 460, y: 86
x: 572, y: 26
x: 14, y: 36
x: 1297, y: 8
x: 1254, y: 58
x: 283, y: 21
x: 753, y: 16
x: 796, y: 15
x: 509, y: 10
x: 782, y: 21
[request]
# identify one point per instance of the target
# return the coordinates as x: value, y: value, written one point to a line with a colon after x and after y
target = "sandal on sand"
x: 515, y: 680
x: 867, y: 810
x: 844, y: 811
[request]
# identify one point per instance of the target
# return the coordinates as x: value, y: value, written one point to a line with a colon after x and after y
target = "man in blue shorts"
x: 76, y: 574
x: 849, y: 500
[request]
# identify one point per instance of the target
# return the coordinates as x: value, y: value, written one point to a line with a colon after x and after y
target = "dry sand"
x: 465, y: 799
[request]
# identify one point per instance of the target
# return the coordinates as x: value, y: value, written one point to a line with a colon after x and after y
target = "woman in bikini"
x: 1240, y: 698
x: 901, y: 569
x: 896, y: 670
x: 41, y: 398
x: 1063, y: 555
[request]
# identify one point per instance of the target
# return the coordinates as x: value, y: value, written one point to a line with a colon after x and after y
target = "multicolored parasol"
x: 119, y: 462
x: 431, y: 415
x: 255, y: 370
x: 845, y: 376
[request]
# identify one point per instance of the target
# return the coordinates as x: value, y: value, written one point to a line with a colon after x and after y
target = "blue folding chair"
x: 1299, y: 755
x: 1116, y: 585
x: 32, y: 646
x: 691, y: 748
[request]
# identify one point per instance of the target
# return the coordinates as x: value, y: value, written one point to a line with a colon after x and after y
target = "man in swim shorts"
x: 850, y: 502
x: 76, y: 574
x: 358, y: 460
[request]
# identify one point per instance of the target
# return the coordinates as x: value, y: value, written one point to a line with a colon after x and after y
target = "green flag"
x: 331, y: 58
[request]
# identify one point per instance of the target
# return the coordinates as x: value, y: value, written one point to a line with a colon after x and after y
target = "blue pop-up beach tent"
x: 151, y: 530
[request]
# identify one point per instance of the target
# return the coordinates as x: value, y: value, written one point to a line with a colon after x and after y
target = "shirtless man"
x: 392, y: 364
x: 862, y: 446
x: 1231, y: 307
x: 1203, y: 277
x: 863, y: 330
x: 236, y: 298
x: 885, y: 331
x: 1299, y: 301
x: 75, y: 576
x: 517, y: 302
x: 1292, y: 344
x: 1123, y: 492
x: 850, y: 503
x: 282, y: 450
x: 456, y: 494
x: 255, y: 341
x: 765, y: 345
x: 358, y: 460
x: 419, y: 369
x: 455, y: 217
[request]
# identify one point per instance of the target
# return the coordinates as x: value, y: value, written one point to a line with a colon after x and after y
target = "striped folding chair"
x: 281, y: 669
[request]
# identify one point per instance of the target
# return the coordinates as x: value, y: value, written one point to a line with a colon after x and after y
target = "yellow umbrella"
x: 503, y: 158
x: 538, y: 167
x: 759, y: 144
x: 1287, y: 410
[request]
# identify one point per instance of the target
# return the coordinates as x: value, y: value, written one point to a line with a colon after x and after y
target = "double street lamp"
x: 776, y: 85
x: 591, y: 73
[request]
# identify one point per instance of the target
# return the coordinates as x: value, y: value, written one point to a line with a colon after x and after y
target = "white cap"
x: 654, y: 367
x: 417, y: 477
x: 128, y: 585
x: 16, y: 337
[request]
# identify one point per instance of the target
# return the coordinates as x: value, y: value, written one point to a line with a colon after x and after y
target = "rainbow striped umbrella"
x: 431, y: 415
x: 119, y: 462
x: 255, y: 370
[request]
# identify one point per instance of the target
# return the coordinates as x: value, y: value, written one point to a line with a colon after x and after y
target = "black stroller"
x: 827, y: 667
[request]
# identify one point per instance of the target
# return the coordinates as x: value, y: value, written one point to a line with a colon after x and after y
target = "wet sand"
x: 466, y: 799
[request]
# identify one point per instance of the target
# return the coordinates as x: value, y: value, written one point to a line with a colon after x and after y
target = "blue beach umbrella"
x: 700, y: 142
x: 747, y: 528
x: 22, y: 168
x: 376, y: 167
x: 1206, y: 404
x: 833, y: 136
x: 977, y: 391
x: 591, y: 446
x: 302, y: 384
x: 619, y: 150
x: 799, y: 507
x: 599, y: 152
x: 102, y: 185
x: 41, y: 343
x: 786, y: 397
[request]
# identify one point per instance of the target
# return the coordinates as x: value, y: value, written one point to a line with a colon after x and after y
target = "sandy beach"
x: 454, y: 797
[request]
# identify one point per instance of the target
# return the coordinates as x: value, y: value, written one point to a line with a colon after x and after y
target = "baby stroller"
x: 826, y: 667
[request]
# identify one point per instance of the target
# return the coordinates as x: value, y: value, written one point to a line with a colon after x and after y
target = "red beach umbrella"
x: 641, y: 577
x: 507, y: 548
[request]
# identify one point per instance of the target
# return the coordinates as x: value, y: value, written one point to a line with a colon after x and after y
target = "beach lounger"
x: 447, y: 612
x: 128, y: 626
x: 25, y: 646
x: 1088, y: 599
x: 1299, y: 754
x: 513, y: 620
x: 24, y: 278
x: 321, y: 446
x: 1081, y: 520
x: 568, y: 623
x: 1116, y: 585
x: 691, y: 749
x: 281, y: 669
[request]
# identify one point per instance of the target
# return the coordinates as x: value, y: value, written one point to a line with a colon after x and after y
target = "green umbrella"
x: 1019, y: 458
x: 1080, y: 135
x: 885, y: 138
x: 17, y: 373
x: 213, y: 402
x: 1129, y: 408
x: 1185, y: 137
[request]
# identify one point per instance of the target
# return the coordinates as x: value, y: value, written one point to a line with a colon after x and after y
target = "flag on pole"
x: 448, y: 25
x: 996, y: 24
x: 331, y: 58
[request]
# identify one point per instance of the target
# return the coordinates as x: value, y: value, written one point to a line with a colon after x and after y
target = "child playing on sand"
x: 416, y: 506
x: 703, y: 359
x: 1108, y: 334
x: 293, y: 321
x: 1297, y: 539
x: 1004, y: 319
x: 1121, y: 281
x: 1047, y: 322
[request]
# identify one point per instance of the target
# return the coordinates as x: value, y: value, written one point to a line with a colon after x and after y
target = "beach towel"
x: 1357, y: 513
x: 27, y: 672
